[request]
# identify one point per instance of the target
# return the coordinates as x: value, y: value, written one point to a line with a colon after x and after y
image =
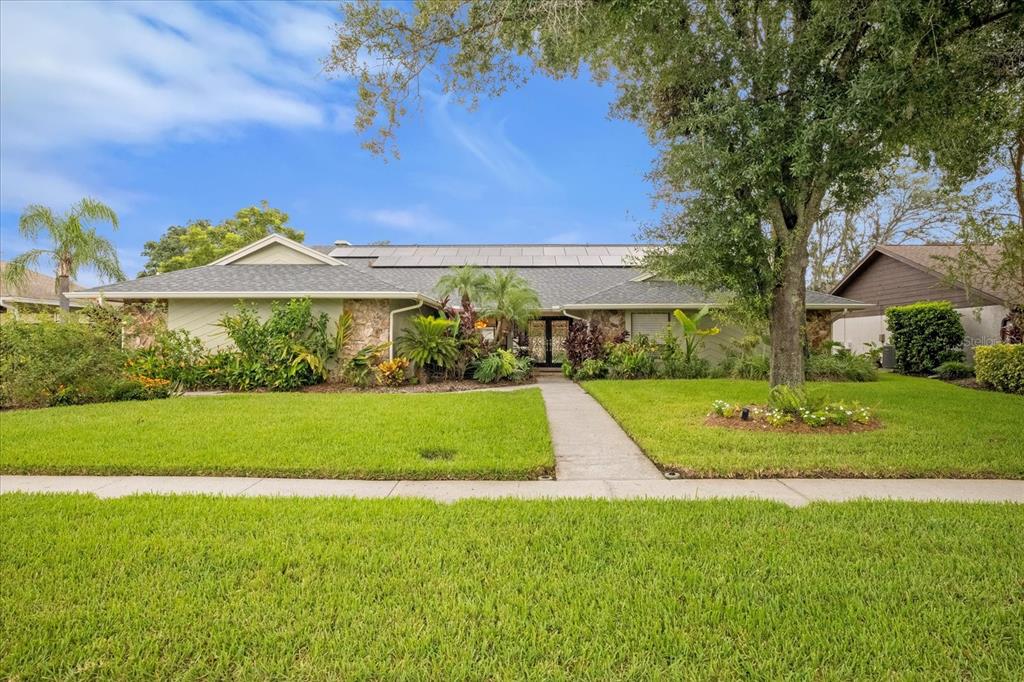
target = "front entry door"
x: 547, y: 340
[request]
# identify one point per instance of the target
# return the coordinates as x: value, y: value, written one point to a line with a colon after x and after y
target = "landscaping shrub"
x: 291, y: 348
x: 954, y: 370
x: 66, y: 363
x: 502, y: 364
x: 591, y: 369
x: 361, y: 369
x: 924, y: 335
x: 584, y: 341
x: 392, y: 372
x: 1000, y: 366
x: 179, y: 358
x: 755, y: 366
x: 633, y: 359
x: 840, y: 366
x: 681, y: 361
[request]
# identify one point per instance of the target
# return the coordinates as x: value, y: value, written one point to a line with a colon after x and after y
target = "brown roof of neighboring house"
x: 36, y: 288
x: 930, y: 258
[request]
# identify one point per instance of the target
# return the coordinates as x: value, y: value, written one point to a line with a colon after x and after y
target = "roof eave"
x: 696, y: 304
x: 151, y: 295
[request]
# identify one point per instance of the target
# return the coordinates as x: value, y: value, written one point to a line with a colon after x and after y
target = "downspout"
x: 391, y: 327
x: 568, y: 314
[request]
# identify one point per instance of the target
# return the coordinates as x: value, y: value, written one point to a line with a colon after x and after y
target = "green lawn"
x: 214, y: 588
x: 452, y: 435
x: 930, y: 429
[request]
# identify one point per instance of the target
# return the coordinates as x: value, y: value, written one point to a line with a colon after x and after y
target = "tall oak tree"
x: 759, y: 108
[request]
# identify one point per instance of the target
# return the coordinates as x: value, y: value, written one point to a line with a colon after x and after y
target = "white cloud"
x: 490, y: 145
x: 418, y: 220
x: 22, y: 184
x: 77, y: 75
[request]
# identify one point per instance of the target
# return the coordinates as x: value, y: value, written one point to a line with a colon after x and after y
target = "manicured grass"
x: 213, y: 588
x: 930, y: 429
x: 463, y: 435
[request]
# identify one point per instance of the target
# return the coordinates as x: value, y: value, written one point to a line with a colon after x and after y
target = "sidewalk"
x: 792, y: 491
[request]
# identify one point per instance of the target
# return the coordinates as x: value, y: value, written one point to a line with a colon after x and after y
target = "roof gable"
x: 924, y: 259
x: 276, y: 243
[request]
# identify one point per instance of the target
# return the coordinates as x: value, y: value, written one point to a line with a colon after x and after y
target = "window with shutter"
x: 651, y: 325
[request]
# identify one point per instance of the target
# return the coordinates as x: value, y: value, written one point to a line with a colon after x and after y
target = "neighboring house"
x: 38, y: 294
x: 899, y: 275
x: 385, y: 286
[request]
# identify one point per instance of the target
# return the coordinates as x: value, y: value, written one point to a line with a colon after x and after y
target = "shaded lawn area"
x: 212, y: 588
x: 930, y: 429
x: 298, y: 435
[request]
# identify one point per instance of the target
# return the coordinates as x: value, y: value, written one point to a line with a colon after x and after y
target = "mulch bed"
x: 971, y: 382
x: 794, y: 427
x: 433, y: 387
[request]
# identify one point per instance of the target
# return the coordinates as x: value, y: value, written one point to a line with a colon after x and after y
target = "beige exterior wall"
x: 981, y: 327
x: 715, y: 347
x: 201, y: 317
x: 276, y: 254
x: 371, y: 318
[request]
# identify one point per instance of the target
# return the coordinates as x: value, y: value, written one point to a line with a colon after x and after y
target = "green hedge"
x: 924, y: 335
x: 1000, y: 366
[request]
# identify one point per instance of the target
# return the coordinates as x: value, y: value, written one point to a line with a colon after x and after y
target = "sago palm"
x: 74, y: 245
x: 430, y: 341
x: 467, y: 281
x: 510, y: 300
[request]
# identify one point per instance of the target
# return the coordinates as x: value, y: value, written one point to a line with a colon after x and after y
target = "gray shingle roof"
x: 556, y: 286
x: 662, y: 293
x: 257, y: 278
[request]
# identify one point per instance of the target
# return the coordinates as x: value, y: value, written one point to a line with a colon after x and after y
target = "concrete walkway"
x: 589, y: 445
x: 792, y: 491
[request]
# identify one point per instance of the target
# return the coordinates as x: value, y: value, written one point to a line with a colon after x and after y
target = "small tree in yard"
x: 75, y: 245
x: 467, y: 281
x: 509, y: 300
x: 758, y: 109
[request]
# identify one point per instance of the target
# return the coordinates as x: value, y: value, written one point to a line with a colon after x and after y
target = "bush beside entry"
x: 1000, y: 367
x: 925, y: 335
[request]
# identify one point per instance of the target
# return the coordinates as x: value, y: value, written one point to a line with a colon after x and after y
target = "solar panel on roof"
x: 493, y: 255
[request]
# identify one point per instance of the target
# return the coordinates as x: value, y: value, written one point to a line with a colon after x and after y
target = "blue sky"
x: 177, y: 111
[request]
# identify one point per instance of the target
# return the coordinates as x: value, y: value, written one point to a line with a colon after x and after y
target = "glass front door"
x: 557, y: 331
x: 546, y: 339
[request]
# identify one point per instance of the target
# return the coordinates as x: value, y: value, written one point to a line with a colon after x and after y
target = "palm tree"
x: 467, y: 281
x: 510, y: 300
x: 75, y: 244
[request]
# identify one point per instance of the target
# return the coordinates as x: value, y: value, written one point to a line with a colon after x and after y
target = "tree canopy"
x: 200, y: 242
x: 759, y: 109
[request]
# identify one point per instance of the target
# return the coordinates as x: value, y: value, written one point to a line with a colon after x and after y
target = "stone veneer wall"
x: 610, y: 322
x: 370, y: 323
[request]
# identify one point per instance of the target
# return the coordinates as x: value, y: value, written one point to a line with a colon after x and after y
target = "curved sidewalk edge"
x: 792, y: 491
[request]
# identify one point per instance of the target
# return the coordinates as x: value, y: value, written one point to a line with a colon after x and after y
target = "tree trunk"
x: 787, y: 323
x: 63, y: 286
x: 789, y: 298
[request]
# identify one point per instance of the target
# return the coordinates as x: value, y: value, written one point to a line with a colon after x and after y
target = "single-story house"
x: 385, y: 286
x: 37, y: 294
x: 899, y: 275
